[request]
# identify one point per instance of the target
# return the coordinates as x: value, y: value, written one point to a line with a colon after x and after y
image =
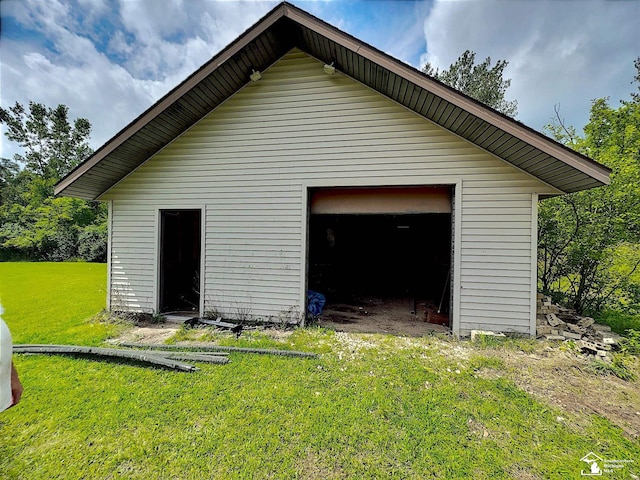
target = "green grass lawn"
x: 51, y: 302
x: 371, y: 406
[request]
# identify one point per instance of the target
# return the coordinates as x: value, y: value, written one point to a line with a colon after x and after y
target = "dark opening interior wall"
x: 380, y: 255
x: 180, y: 260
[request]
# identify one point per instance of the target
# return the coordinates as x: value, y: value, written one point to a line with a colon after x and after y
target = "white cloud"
x: 109, y: 61
x: 176, y: 37
x: 104, y: 93
x: 405, y: 33
x: 559, y: 52
x: 157, y: 45
x: 151, y: 21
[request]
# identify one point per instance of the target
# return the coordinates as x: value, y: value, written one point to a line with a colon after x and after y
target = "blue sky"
x: 109, y: 60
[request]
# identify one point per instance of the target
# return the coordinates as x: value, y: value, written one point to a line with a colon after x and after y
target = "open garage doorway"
x: 180, y: 245
x: 382, y: 258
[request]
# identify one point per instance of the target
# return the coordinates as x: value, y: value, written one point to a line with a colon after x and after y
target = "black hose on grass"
x: 220, y: 348
x: 193, y: 357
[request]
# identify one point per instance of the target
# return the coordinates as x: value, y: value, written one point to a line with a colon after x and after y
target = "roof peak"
x: 287, y: 26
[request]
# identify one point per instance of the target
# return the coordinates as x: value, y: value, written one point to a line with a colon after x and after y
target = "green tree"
x: 33, y: 224
x: 588, y: 240
x: 53, y: 147
x: 480, y: 81
x: 8, y: 172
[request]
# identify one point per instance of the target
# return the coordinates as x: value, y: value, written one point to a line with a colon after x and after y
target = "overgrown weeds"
x: 619, y: 366
x: 631, y: 344
x: 125, y: 318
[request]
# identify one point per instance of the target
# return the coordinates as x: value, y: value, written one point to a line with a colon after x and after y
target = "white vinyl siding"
x: 250, y: 162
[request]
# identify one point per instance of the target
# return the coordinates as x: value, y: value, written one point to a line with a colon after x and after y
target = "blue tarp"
x: 315, y: 303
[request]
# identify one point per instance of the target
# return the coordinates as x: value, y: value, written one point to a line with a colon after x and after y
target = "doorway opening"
x: 180, y: 250
x: 383, y: 270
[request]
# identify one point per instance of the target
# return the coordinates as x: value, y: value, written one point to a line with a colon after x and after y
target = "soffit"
x: 286, y: 27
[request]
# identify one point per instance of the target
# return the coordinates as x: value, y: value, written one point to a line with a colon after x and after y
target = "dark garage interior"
x: 384, y: 269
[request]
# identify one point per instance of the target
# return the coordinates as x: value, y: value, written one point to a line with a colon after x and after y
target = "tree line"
x: 589, y: 241
x: 35, y: 225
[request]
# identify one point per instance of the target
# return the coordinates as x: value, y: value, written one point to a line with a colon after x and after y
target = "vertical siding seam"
x: 109, y: 250
x: 534, y: 264
x: 203, y: 251
x: 156, y: 261
x: 304, y: 214
x: 456, y: 287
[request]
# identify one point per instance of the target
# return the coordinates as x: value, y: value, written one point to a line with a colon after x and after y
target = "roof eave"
x: 595, y: 173
x: 595, y: 170
x: 171, y: 97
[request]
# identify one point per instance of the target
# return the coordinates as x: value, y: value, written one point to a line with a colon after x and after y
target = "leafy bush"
x: 631, y: 344
x: 619, y: 322
x: 92, y: 243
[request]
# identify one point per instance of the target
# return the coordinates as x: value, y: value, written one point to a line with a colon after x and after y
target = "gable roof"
x: 286, y: 27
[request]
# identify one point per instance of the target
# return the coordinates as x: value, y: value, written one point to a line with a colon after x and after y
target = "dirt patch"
x: 397, y: 316
x: 148, y: 333
x: 158, y: 333
x: 564, y: 380
x: 559, y: 377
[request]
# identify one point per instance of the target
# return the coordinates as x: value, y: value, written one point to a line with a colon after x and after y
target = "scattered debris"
x: 563, y: 324
x: 137, y: 355
x: 234, y: 327
x: 220, y: 348
x: 168, y: 356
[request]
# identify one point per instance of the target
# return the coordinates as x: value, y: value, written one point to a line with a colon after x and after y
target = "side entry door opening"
x: 180, y: 250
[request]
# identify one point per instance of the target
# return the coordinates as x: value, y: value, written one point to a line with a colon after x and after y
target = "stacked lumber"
x: 554, y: 322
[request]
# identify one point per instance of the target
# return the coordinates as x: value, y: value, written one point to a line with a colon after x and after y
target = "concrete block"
x: 586, y: 322
x: 554, y: 337
x: 601, y: 328
x: 575, y: 328
x: 610, y: 338
x: 587, y: 346
x: 553, y: 320
x: 571, y: 335
x: 543, y: 330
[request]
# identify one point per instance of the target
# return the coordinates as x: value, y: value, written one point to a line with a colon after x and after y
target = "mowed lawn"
x: 51, y: 302
x: 371, y: 406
